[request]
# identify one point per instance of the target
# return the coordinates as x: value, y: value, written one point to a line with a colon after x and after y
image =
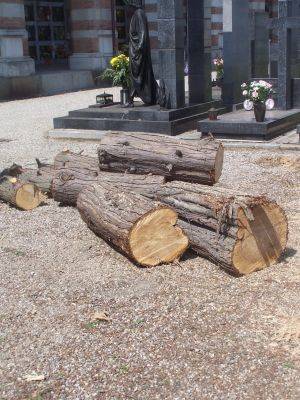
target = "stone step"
x: 153, y: 126
x: 75, y: 134
x: 152, y: 113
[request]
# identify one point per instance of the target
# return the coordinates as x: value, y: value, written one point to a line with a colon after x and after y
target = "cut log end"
x: 261, y: 241
x: 154, y: 239
x: 28, y: 197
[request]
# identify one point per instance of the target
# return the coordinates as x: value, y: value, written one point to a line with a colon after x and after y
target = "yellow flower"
x: 114, y: 61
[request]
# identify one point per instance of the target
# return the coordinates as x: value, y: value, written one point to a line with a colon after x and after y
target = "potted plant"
x: 219, y: 65
x: 119, y: 75
x: 258, y: 92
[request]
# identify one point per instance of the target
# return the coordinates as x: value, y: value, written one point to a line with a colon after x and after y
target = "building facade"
x: 83, y: 34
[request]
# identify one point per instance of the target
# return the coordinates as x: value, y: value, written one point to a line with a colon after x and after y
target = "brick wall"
x: 91, y: 33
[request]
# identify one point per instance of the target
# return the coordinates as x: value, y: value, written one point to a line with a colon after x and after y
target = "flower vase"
x: 260, y: 111
x: 124, y: 95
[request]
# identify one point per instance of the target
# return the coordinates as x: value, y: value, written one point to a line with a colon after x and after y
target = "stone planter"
x: 260, y: 111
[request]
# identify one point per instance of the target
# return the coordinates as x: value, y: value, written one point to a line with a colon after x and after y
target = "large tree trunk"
x: 73, y: 172
x: 23, y: 195
x: 176, y: 159
x: 238, y: 232
x: 67, y: 184
x: 136, y: 226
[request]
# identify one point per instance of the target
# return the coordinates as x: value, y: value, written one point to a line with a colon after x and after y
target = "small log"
x: 240, y: 233
x: 23, y: 195
x: 67, y: 184
x: 136, y: 226
x: 41, y: 177
x: 176, y: 159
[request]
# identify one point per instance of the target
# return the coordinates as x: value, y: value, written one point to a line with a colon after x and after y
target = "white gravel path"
x: 26, y: 122
x: 177, y: 332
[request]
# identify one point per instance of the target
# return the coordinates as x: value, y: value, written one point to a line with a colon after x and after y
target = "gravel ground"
x: 187, y: 331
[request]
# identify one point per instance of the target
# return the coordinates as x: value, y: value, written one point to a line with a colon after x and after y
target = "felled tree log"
x: 240, y: 233
x: 67, y: 159
x: 136, y: 226
x: 67, y: 184
x: 199, y: 162
x: 41, y: 177
x: 23, y: 195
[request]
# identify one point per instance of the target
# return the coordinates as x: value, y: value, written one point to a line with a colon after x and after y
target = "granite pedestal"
x: 242, y: 125
x: 138, y: 119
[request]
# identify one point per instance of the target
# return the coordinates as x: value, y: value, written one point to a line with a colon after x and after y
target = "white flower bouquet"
x: 257, y: 91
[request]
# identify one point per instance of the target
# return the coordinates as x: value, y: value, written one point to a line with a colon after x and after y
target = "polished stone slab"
x: 241, y: 124
x: 138, y: 119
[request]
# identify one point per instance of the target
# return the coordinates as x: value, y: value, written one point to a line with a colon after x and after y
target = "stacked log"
x: 175, y: 159
x: 124, y: 198
x: 240, y: 233
x: 145, y: 232
x: 74, y: 172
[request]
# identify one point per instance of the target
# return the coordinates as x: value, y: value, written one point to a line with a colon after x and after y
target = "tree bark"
x: 23, y: 195
x: 139, y: 228
x: 176, y: 159
x: 67, y: 184
x: 41, y: 177
x: 240, y: 233
x: 67, y: 159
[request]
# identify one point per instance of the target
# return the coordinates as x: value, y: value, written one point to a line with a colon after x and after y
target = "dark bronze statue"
x: 143, y: 83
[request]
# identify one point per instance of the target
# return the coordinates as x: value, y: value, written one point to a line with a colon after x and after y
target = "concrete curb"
x: 75, y: 134
x: 263, y: 146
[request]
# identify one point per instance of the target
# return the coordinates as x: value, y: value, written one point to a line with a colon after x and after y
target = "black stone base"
x: 242, y: 125
x: 138, y: 119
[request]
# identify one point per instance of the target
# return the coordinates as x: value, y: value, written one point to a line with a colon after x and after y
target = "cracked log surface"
x: 138, y: 227
x: 176, y: 159
x: 240, y: 233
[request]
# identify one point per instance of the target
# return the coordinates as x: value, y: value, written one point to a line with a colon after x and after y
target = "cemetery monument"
x: 237, y: 71
x: 179, y: 113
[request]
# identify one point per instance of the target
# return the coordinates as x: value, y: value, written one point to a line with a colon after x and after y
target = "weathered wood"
x: 69, y: 160
x: 41, y: 177
x: 139, y: 228
x: 240, y: 233
x: 176, y: 159
x: 67, y: 184
x: 23, y: 195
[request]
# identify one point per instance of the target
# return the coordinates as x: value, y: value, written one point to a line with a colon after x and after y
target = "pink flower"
x: 255, y: 94
x: 245, y: 93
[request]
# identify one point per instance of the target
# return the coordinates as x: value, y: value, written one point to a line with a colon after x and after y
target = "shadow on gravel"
x: 289, y: 253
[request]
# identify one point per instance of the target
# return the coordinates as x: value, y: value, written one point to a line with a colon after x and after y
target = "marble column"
x: 236, y: 49
x: 14, y: 60
x: 199, y: 51
x: 171, y: 50
x: 91, y: 33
